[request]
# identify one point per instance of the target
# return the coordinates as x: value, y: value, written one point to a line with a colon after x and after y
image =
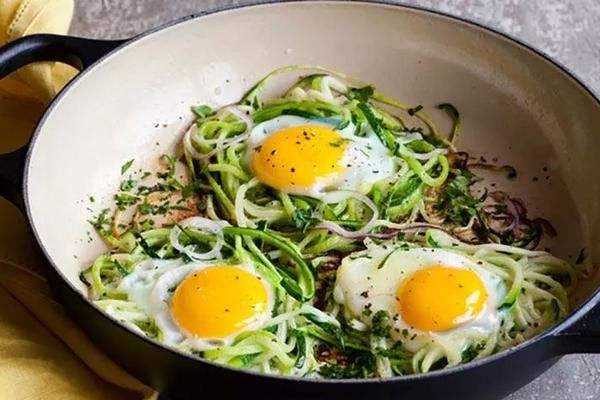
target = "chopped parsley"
x: 126, y: 166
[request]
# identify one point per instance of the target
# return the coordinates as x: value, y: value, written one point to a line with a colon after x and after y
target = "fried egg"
x: 310, y: 157
x: 431, y: 295
x: 201, y: 305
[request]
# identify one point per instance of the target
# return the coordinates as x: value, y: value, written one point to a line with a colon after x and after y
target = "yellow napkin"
x: 43, y: 354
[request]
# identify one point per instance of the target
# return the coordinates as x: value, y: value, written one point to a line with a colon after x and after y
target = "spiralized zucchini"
x: 217, y: 211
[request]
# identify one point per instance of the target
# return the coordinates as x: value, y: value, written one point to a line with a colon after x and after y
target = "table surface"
x: 566, y: 30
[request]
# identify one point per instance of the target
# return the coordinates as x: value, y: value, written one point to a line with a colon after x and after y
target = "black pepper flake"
x: 365, y: 294
x: 258, y: 149
x: 293, y: 169
x: 273, y: 151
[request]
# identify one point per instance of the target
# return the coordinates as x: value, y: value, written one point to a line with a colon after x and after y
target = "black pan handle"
x: 581, y: 337
x: 77, y: 52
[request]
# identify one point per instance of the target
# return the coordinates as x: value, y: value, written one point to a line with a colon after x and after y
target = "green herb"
x: 190, y: 189
x: 303, y: 219
x: 125, y: 199
x: 397, y: 351
x: 203, y: 111
x: 149, y: 327
x: 301, y: 346
x: 338, y: 143
x: 127, y: 185
x: 102, y: 222
x: 147, y: 248
x: 170, y: 161
x: 145, y: 208
x: 376, y: 124
x: 360, y: 366
x: 456, y: 201
x: 381, y: 324
x: 362, y: 94
x: 126, y: 166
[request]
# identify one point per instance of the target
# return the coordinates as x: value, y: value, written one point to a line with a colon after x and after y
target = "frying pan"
x: 518, y: 106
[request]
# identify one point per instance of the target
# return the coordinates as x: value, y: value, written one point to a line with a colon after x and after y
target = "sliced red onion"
x: 518, y: 206
x: 546, y: 226
x: 202, y: 224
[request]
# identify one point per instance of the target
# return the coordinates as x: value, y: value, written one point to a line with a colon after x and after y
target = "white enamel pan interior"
x: 516, y: 106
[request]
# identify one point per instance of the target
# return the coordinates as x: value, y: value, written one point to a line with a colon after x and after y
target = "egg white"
x: 374, y: 275
x: 151, y: 286
x: 366, y: 160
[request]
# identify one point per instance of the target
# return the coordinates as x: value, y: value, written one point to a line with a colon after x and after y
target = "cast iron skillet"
x: 517, y: 103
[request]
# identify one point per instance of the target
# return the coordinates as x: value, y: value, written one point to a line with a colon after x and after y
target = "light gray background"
x: 569, y: 31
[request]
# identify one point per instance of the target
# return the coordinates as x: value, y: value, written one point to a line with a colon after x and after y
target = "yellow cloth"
x: 43, y: 354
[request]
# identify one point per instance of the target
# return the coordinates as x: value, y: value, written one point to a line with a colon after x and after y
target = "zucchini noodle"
x: 217, y: 212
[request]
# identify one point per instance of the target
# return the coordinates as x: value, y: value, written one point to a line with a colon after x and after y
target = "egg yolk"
x: 297, y: 156
x: 218, y: 301
x: 439, y: 298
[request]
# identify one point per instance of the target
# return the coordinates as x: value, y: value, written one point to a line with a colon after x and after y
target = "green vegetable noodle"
x: 325, y: 231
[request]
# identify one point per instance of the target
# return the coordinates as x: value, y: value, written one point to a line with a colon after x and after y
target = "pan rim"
x: 573, y: 317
